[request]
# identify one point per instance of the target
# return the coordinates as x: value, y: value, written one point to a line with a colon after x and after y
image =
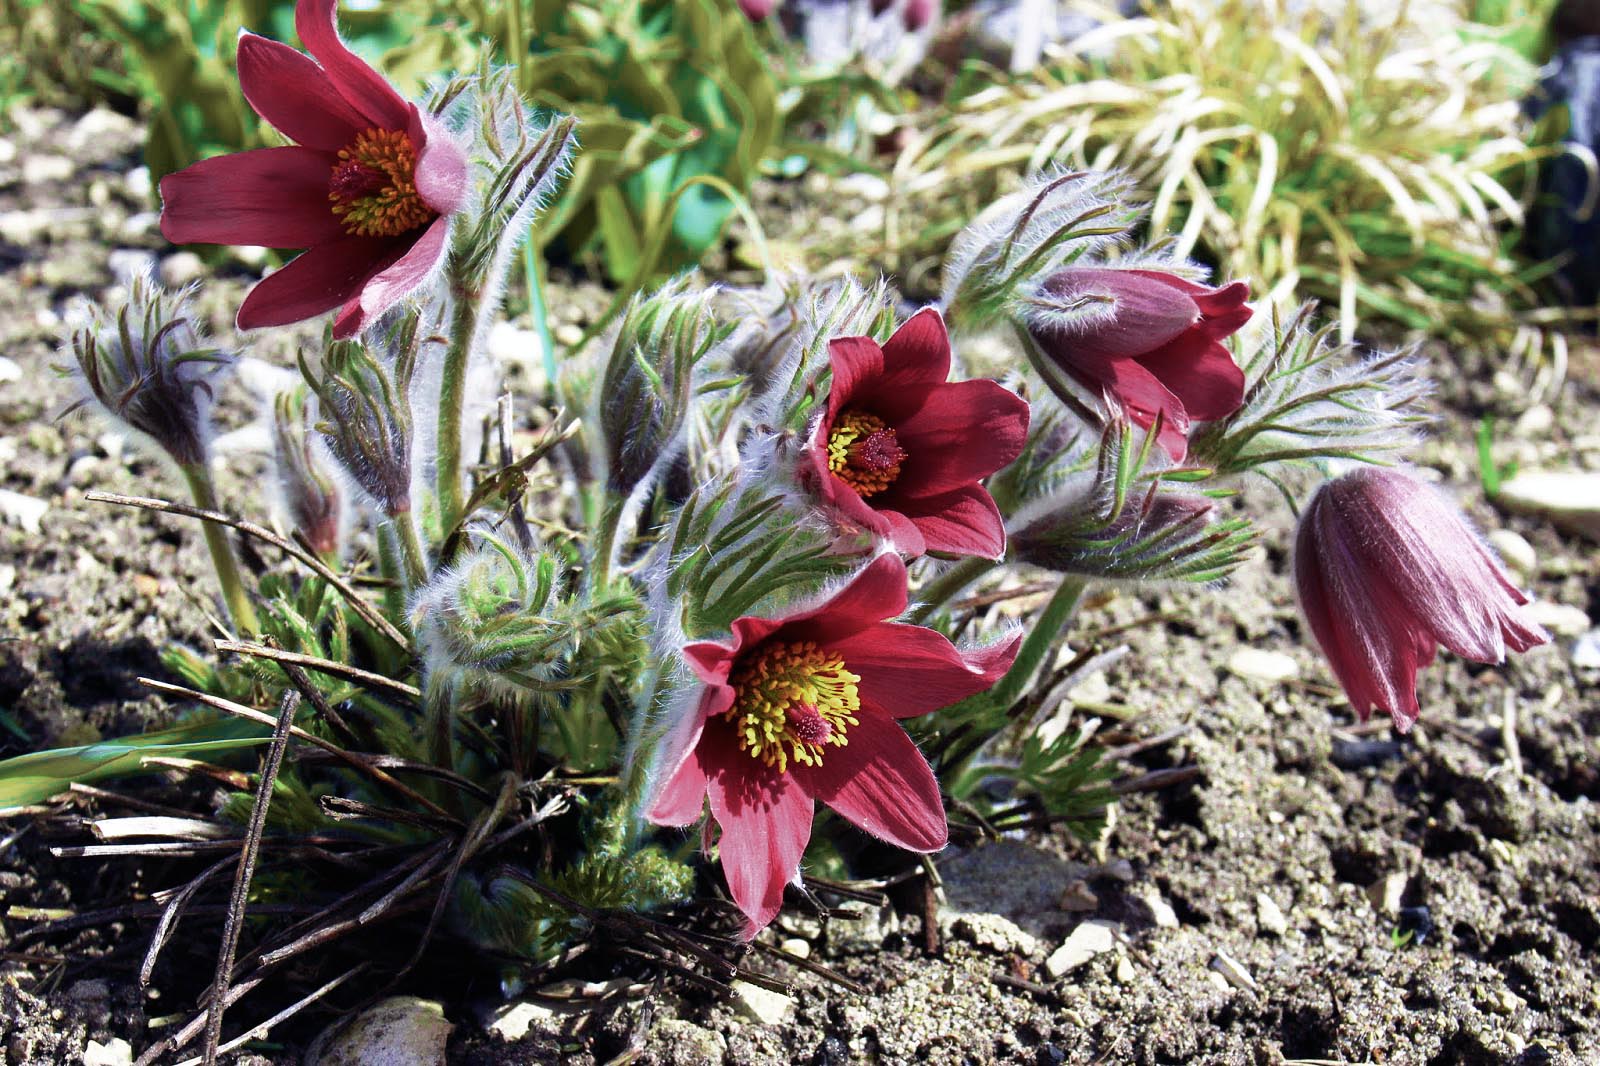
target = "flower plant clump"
x: 718, y: 561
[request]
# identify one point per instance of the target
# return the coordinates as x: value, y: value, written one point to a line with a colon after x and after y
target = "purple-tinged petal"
x: 289, y: 90
x: 272, y: 197
x: 395, y: 281
x: 441, y: 174
x: 364, y: 89
x: 964, y: 521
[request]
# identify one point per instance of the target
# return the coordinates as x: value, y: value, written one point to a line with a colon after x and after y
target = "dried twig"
x: 324, y: 666
x: 233, y: 925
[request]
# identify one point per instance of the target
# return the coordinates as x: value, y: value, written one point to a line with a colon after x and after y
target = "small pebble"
x: 1559, y: 618
x: 1233, y: 971
x: 1387, y: 892
x: 512, y: 1021
x: 1260, y: 664
x: 1586, y: 651
x: 800, y: 949
x: 9, y: 370
x: 569, y: 333
x: 1514, y: 548
x: 25, y: 511
x: 1569, y: 498
x: 1126, y: 974
x: 137, y: 183
x: 46, y: 169
x: 1079, y: 897
x: 180, y: 268
x: 1160, y: 910
x: 114, y: 1052
x: 760, y: 1004
x: 1270, y: 916
x: 1085, y: 942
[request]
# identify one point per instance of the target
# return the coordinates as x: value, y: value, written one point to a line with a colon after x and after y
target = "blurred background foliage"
x: 1376, y: 156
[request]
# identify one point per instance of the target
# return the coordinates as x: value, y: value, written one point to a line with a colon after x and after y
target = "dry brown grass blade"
x: 325, y: 666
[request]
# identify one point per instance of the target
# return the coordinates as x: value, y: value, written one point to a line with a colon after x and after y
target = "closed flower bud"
x: 147, y: 368
x: 366, y: 414
x: 1387, y: 570
x: 311, y: 497
x: 1149, y: 341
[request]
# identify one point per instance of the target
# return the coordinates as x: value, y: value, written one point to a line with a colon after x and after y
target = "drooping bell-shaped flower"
x: 900, y: 450
x: 1148, y: 340
x: 803, y: 708
x: 1387, y: 570
x: 368, y: 188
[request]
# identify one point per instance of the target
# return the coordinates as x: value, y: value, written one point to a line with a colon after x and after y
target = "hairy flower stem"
x: 390, y: 566
x: 1036, y: 646
x: 452, y: 401
x: 411, y: 554
x: 936, y: 593
x: 438, y: 706
x: 233, y: 593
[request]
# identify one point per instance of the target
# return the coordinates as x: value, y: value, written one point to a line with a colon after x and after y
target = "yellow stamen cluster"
x: 792, y: 700
x: 863, y: 452
x: 373, y: 188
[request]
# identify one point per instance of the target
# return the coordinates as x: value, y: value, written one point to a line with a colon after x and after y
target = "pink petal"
x: 964, y: 432
x: 962, y: 522
x: 441, y: 174
x: 904, y: 534
x: 395, y: 281
x: 363, y: 88
x: 319, y: 280
x: 682, y: 798
x: 765, y: 819
x: 882, y: 784
x: 290, y: 91
x: 909, y: 670
x: 273, y: 197
x: 1201, y: 373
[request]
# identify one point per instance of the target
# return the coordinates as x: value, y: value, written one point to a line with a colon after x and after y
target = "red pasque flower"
x: 900, y: 451
x: 367, y: 189
x: 1387, y: 570
x: 1156, y: 349
x: 756, y: 10
x: 803, y: 708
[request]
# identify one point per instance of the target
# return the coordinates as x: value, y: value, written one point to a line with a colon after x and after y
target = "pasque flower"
x: 803, y: 708
x: 1387, y: 570
x: 1149, y: 340
x: 367, y: 188
x: 900, y: 451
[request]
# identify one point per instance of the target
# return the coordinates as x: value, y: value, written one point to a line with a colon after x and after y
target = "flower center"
x: 792, y: 700
x: 863, y: 452
x: 373, y: 188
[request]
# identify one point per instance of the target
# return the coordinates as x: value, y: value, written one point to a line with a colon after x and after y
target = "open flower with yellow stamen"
x: 900, y: 450
x: 803, y: 708
x: 368, y: 188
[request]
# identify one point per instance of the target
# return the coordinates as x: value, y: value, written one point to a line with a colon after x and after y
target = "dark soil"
x: 1316, y: 892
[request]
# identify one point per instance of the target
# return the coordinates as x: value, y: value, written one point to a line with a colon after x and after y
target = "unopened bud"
x: 309, y: 492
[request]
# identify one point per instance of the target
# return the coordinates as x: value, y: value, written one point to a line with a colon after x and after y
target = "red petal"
x: 910, y: 670
x: 363, y: 88
x: 876, y: 593
x: 1201, y: 373
x: 290, y: 91
x: 319, y: 280
x: 765, y: 819
x: 1151, y: 308
x: 963, y: 522
x: 964, y: 432
x: 397, y: 280
x: 1142, y: 395
x: 273, y: 197
x: 881, y: 783
x: 857, y: 363
x: 905, y: 535
x: 918, y: 353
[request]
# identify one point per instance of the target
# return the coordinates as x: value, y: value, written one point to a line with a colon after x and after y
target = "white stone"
x: 114, y: 1052
x: 1269, y: 916
x: 1569, y: 498
x: 8, y: 152
x: 400, y: 1031
x: 1089, y: 939
x: 800, y: 949
x: 1233, y: 971
x: 46, y: 169
x: 180, y: 268
x: 1161, y: 911
x: 1559, y: 618
x: 1125, y: 971
x: 1514, y: 549
x: 1387, y: 892
x: 997, y: 933
x: 513, y: 1020
x: 25, y: 511
x: 1535, y: 421
x: 8, y: 578
x: 138, y: 184
x: 508, y: 343
x: 761, y: 1004
x: 9, y: 370
x: 1260, y: 664
x: 1586, y: 651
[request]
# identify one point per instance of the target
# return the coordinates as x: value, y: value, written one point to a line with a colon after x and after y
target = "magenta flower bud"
x: 1149, y: 340
x: 756, y: 10
x: 1387, y: 570
x: 918, y: 13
